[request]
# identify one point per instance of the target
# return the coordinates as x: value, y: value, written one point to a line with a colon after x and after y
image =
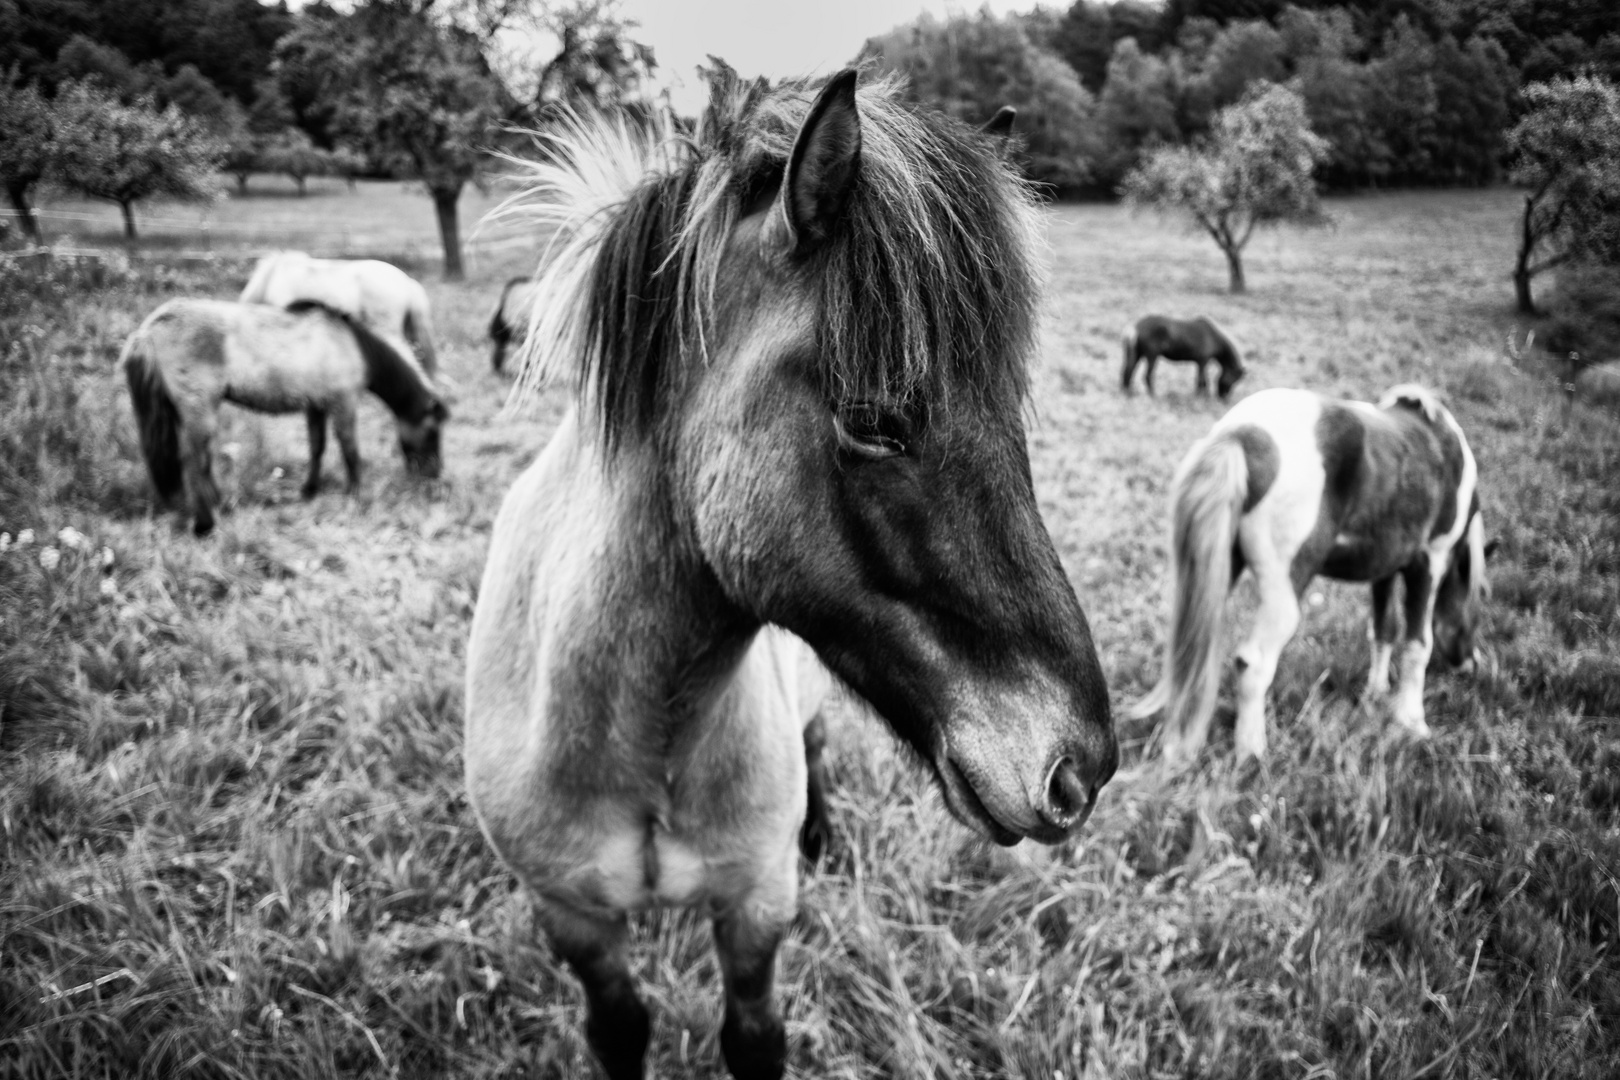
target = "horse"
x: 1290, y: 484
x: 1197, y: 340
x: 510, y: 319
x: 797, y: 341
x: 379, y: 294
x: 189, y: 355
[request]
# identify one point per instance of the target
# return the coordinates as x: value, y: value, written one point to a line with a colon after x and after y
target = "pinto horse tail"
x: 1206, y: 504
x: 156, y: 415
x: 1130, y: 359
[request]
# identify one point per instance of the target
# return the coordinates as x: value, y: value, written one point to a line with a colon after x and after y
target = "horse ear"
x: 821, y: 170
x: 1000, y: 125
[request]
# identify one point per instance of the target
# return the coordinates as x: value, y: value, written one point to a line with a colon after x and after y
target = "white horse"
x: 379, y: 294
x: 1291, y: 484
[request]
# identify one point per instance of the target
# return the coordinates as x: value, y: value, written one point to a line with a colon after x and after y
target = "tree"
x: 125, y: 153
x: 970, y: 66
x: 409, y: 91
x: 1256, y: 169
x: 1566, y: 151
x: 25, y: 141
x: 292, y: 152
x: 1137, y: 109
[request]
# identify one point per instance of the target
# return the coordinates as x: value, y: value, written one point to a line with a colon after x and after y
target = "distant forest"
x: 1407, y: 92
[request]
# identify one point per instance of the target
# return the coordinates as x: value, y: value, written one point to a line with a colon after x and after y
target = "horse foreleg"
x: 343, y: 425
x: 1274, y: 624
x: 816, y: 832
x: 616, y: 1022
x: 1202, y: 389
x: 1421, y: 585
x: 746, y: 937
x: 1381, y: 631
x: 1147, y: 375
x: 316, y: 418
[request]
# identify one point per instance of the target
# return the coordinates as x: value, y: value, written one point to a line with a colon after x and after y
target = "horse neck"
x: 651, y: 639
x: 394, y: 380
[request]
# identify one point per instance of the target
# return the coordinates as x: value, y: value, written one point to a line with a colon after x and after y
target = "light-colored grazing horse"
x: 379, y: 294
x: 509, y: 321
x: 798, y: 338
x: 1291, y: 484
x: 1196, y: 340
x: 189, y: 356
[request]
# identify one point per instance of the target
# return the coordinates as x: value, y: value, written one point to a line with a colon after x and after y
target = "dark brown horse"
x: 1197, y: 341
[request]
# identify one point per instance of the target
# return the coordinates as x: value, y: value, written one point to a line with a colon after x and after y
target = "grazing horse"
x: 510, y: 319
x: 379, y: 294
x: 797, y: 338
x: 1291, y: 484
x: 1197, y: 340
x: 188, y: 356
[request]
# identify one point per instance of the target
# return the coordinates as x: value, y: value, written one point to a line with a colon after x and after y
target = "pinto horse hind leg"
x: 1274, y: 625
x: 316, y: 419
x: 617, y: 1027
x: 1421, y: 586
x: 1381, y: 631
x: 753, y: 1038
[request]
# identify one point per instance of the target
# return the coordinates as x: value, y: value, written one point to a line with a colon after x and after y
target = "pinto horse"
x: 379, y: 294
x: 1197, y: 340
x: 510, y: 320
x: 1290, y: 485
x: 189, y: 356
x: 798, y: 339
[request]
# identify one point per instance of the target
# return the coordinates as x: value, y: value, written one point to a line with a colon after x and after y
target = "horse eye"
x: 871, y: 430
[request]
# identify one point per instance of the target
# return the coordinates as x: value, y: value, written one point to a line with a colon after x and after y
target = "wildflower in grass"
x: 72, y: 538
x: 5, y: 542
x: 25, y: 538
x: 109, y: 588
x: 106, y: 557
x: 277, y: 473
x: 49, y: 557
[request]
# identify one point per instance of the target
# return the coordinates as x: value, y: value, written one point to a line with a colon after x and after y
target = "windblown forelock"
x: 927, y: 288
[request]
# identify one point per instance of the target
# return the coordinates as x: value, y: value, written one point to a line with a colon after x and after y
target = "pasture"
x: 235, y: 841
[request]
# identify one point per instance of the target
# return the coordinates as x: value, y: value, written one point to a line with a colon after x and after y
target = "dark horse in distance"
x: 1197, y: 341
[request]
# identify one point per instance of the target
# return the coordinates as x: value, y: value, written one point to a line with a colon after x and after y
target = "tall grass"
x: 233, y: 839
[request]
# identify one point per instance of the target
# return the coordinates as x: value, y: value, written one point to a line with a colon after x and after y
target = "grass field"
x: 234, y: 842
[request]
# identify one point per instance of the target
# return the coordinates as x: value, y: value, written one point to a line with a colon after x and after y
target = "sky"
x: 768, y: 37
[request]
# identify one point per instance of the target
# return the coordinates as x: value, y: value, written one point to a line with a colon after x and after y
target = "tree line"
x: 421, y: 89
x: 1406, y: 92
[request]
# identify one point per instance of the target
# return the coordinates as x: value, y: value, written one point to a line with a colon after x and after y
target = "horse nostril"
x: 1067, y: 796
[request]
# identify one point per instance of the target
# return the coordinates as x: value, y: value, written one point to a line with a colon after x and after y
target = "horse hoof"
x: 307, y: 493
x: 814, y: 839
x: 201, y: 529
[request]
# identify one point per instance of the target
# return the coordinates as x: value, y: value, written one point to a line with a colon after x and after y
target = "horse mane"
x: 1231, y: 346
x: 927, y: 286
x: 1417, y: 398
x: 390, y: 374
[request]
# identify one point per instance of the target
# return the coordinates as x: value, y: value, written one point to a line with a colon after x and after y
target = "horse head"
x: 815, y: 326
x: 419, y: 439
x: 1458, y: 601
